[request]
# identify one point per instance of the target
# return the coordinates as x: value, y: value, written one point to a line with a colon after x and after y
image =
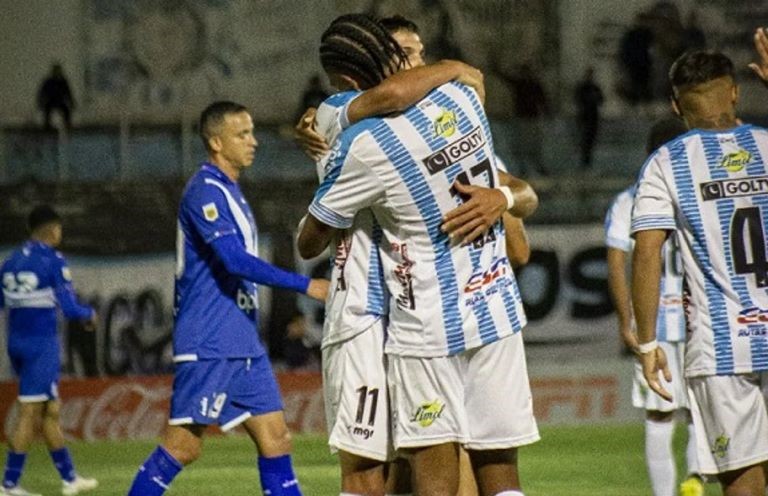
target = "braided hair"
x: 358, y: 46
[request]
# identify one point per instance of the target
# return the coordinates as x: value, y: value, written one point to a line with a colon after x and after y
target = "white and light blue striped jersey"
x: 357, y: 295
x: 35, y: 281
x: 446, y: 297
x: 670, y: 323
x: 712, y: 188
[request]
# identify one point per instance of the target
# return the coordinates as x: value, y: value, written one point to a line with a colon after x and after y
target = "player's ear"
x: 350, y: 82
x: 676, y: 106
x: 214, y: 142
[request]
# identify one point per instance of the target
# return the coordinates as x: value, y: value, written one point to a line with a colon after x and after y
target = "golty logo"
x: 445, y: 124
x: 735, y: 161
x: 210, y: 212
x: 427, y: 413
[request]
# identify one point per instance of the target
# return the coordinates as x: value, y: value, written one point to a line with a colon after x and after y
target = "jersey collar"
x: 216, y: 172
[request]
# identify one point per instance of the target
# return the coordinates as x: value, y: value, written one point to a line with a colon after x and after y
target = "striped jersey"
x: 446, y: 297
x: 670, y: 323
x: 711, y: 187
x: 356, y: 297
x: 215, y: 312
x: 36, y: 279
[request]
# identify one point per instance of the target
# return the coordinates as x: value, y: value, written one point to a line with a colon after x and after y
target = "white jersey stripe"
x: 414, y: 181
x: 717, y: 308
x: 249, y: 237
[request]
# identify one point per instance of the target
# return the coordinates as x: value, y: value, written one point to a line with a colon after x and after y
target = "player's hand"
x: 473, y: 78
x: 318, y: 289
x: 476, y: 215
x: 654, y: 362
x: 307, y: 138
x: 761, y: 47
x: 92, y: 324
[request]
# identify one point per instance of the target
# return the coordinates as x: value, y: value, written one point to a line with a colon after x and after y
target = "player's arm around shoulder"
x: 405, y: 88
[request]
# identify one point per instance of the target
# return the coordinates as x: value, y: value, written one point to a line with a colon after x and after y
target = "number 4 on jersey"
x: 747, y: 231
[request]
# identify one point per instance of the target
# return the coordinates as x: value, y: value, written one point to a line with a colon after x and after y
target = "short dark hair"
x: 664, y: 130
x: 213, y: 115
x: 358, y: 46
x: 397, y: 23
x: 42, y: 215
x: 697, y: 67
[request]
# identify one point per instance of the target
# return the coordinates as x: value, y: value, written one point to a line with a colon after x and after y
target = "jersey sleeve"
x: 348, y: 186
x: 617, y: 223
x: 330, y: 121
x: 207, y: 210
x: 65, y: 293
x: 653, y: 206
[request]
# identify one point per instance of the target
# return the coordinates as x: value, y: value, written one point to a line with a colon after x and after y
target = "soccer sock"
x: 154, y: 477
x: 658, y: 457
x: 63, y: 463
x: 277, y: 477
x: 691, y: 458
x: 510, y: 493
x: 14, y: 466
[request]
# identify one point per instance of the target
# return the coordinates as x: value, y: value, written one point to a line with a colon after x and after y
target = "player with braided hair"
x: 444, y: 353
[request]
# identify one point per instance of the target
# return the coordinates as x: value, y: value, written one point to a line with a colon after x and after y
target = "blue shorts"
x: 38, y: 376
x: 223, y: 391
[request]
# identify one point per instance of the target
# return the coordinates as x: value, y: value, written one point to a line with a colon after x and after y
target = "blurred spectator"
x: 589, y: 98
x: 314, y: 94
x: 693, y: 36
x: 299, y: 350
x: 636, y: 61
x: 54, y: 94
x: 531, y: 106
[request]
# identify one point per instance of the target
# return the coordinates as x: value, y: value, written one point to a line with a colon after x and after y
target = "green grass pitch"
x: 569, y: 461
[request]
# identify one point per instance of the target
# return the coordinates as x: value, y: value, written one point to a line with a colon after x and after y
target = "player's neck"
x: 714, y: 122
x: 44, y: 239
x: 229, y: 170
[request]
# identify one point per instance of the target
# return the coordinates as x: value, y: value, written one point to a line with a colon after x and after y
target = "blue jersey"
x: 446, y: 297
x: 711, y: 188
x: 216, y: 312
x: 35, y: 280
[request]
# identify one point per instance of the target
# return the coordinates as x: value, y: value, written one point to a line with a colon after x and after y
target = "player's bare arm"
x: 394, y: 94
x: 518, y: 248
x: 618, y: 285
x: 314, y: 237
x: 646, y: 277
x: 761, y: 47
x: 486, y: 205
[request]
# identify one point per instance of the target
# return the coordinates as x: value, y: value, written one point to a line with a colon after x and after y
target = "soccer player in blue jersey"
x: 708, y: 189
x: 659, y: 414
x: 35, y: 280
x: 435, y: 328
x: 223, y: 375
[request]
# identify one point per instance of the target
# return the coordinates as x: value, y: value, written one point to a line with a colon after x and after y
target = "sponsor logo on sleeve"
x: 210, y: 212
x: 455, y: 152
x: 66, y: 274
x: 733, y: 188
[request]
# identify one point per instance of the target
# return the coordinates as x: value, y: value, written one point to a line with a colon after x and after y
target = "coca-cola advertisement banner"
x: 137, y: 407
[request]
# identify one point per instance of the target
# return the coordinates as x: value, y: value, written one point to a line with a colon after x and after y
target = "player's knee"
x: 52, y: 411
x: 659, y: 416
x: 184, y: 453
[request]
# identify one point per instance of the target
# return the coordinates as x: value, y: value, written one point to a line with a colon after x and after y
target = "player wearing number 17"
x: 708, y: 188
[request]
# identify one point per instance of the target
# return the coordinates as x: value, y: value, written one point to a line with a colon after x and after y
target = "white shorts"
x: 355, y: 394
x: 731, y: 421
x: 643, y: 397
x: 480, y: 398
